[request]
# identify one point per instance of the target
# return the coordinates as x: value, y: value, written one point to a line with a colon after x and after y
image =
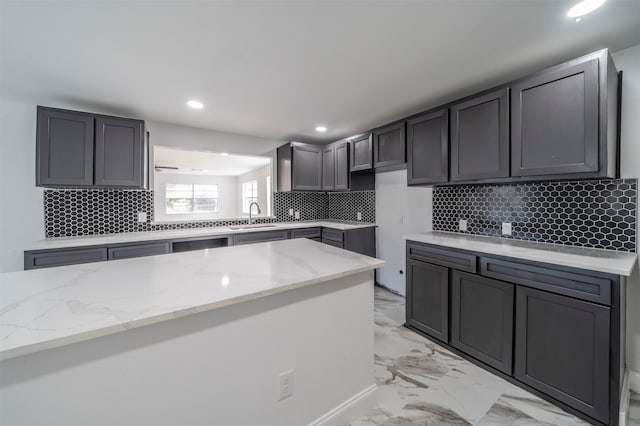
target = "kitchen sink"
x: 235, y: 228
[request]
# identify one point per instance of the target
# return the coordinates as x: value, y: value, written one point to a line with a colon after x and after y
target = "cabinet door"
x: 119, y: 152
x: 480, y: 137
x: 482, y: 319
x: 554, y: 122
x: 362, y: 153
x: 428, y: 298
x: 328, y: 168
x: 64, y: 148
x: 562, y: 349
x: 342, y: 167
x: 307, y: 167
x: 139, y: 250
x: 428, y: 148
x: 389, y: 146
x: 48, y: 259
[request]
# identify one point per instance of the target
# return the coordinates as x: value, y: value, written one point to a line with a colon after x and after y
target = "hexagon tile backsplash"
x: 598, y: 214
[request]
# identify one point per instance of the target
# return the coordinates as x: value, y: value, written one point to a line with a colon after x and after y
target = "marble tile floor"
x: 422, y: 383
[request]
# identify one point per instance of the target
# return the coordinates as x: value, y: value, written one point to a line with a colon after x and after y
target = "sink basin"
x: 260, y: 225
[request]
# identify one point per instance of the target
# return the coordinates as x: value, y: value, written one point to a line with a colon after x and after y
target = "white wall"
x: 227, y: 196
x: 21, y: 203
x: 628, y: 61
x: 400, y: 210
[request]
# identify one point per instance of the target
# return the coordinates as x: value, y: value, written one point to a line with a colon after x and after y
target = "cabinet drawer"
x: 572, y: 284
x: 198, y: 244
x: 450, y: 259
x: 34, y: 260
x: 306, y: 233
x: 260, y: 237
x: 333, y: 243
x: 332, y: 234
x: 138, y: 250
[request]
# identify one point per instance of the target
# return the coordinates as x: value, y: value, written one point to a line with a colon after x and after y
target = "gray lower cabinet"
x: 64, y: 148
x: 480, y: 137
x: 138, y: 250
x: 50, y: 258
x: 427, y: 299
x: 362, y: 153
x: 119, y: 152
x: 428, y: 148
x: 562, y: 349
x: 358, y: 240
x: 389, y: 146
x: 556, y: 331
x: 482, y: 319
x: 260, y: 237
x: 78, y: 149
x: 564, y: 120
x: 310, y: 233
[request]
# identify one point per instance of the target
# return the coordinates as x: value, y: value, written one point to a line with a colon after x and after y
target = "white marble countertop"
x: 47, y: 308
x: 609, y: 261
x: 129, y: 237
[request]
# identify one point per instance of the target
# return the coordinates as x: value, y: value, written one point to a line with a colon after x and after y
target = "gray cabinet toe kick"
x: 555, y: 331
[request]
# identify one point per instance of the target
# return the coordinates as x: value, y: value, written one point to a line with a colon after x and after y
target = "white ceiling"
x: 278, y: 69
x: 206, y: 163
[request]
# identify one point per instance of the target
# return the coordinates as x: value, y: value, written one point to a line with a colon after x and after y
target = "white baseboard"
x: 634, y: 381
x: 351, y: 409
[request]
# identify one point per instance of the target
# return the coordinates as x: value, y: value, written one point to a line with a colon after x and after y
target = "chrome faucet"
x: 250, y: 208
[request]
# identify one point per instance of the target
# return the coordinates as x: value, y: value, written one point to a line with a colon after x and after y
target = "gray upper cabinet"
x: 77, y: 149
x: 328, y: 168
x: 300, y: 167
x: 64, y: 148
x: 428, y: 148
x: 362, y: 153
x: 480, y: 137
x: 341, y: 166
x: 389, y: 146
x: 119, y: 152
x: 563, y: 120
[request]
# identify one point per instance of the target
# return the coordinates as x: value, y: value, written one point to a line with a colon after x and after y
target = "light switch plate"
x: 463, y: 224
x: 290, y: 212
x: 359, y: 215
x: 506, y: 228
x: 297, y: 215
x: 142, y: 217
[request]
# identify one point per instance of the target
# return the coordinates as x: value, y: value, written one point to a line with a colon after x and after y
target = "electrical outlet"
x: 290, y: 212
x: 286, y: 384
x: 506, y: 228
x: 142, y: 217
x: 359, y: 215
x: 297, y: 215
x: 463, y: 224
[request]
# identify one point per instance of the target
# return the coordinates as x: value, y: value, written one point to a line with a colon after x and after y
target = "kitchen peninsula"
x: 193, y: 337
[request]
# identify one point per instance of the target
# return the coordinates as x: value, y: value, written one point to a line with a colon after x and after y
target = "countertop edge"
x: 137, y: 323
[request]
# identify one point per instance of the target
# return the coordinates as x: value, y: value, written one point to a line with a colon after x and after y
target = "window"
x: 249, y: 194
x: 191, y: 198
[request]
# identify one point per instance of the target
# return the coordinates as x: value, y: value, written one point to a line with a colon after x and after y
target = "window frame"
x: 193, y: 199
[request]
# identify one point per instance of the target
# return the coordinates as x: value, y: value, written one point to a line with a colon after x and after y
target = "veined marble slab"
x: 130, y: 237
x: 46, y: 308
x: 609, y: 261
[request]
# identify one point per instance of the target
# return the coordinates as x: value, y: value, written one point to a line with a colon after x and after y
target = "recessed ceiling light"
x: 224, y: 154
x: 584, y: 7
x: 321, y: 129
x: 195, y: 104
